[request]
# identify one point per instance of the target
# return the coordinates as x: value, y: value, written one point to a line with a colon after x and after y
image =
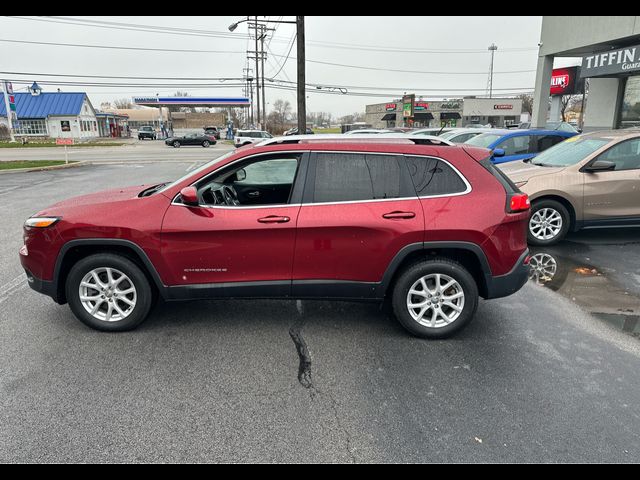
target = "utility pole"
x: 255, y: 31
x: 302, y: 101
x: 492, y: 49
x: 263, y: 34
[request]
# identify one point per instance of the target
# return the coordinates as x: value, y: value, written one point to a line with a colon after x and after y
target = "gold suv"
x: 587, y: 181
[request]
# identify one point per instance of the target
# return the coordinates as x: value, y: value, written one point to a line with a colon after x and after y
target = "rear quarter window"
x: 433, y: 176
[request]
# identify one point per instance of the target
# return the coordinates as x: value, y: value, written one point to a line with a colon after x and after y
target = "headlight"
x: 41, y: 222
x: 521, y: 184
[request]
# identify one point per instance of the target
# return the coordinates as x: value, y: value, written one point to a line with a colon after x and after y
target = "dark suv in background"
x: 427, y: 224
x: 146, y: 131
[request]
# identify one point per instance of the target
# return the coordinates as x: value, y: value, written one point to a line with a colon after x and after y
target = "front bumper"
x: 509, y: 283
x: 42, y: 286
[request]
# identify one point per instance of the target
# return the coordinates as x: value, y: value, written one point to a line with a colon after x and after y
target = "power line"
x: 238, y: 79
x: 361, y: 67
x: 219, y: 34
x: 284, y: 62
x: 114, y: 47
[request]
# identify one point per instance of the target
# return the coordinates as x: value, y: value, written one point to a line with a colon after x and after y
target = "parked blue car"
x: 511, y: 145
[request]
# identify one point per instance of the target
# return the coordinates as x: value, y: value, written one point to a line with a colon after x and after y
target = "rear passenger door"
x: 359, y: 210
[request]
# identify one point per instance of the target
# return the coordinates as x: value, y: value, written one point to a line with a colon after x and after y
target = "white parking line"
x: 12, y: 287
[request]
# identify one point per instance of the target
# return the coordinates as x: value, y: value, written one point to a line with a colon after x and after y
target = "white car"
x: 461, y: 135
x: 367, y: 131
x: 245, y: 137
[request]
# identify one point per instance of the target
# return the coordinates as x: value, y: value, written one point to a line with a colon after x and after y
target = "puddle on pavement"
x: 561, y: 268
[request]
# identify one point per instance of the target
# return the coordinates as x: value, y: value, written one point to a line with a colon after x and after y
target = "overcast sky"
x: 388, y: 48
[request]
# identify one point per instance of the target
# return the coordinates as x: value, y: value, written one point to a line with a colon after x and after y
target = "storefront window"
x: 630, y: 111
x: 31, y: 127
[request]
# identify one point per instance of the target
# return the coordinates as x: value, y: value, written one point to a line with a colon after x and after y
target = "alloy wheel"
x: 435, y: 300
x: 545, y: 223
x: 107, y: 294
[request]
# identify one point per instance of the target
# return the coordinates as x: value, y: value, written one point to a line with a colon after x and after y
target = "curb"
x: 42, y: 169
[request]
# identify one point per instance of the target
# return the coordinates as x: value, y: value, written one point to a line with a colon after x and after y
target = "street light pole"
x: 302, y: 104
x: 257, y: 75
x: 492, y: 48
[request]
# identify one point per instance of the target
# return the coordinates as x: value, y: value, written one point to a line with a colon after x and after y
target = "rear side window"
x: 540, y: 143
x: 434, y: 177
x: 342, y: 177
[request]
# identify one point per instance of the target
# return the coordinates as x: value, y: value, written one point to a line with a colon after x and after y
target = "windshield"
x: 483, y: 140
x: 569, y: 152
x: 195, y: 172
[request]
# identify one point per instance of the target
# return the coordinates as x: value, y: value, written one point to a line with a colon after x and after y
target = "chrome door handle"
x: 397, y: 215
x: 253, y: 194
x: 274, y: 219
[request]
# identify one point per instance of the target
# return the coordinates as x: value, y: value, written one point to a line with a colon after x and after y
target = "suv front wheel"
x: 108, y: 292
x: 435, y: 298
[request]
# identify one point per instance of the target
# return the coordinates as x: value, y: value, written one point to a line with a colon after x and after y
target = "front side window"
x: 432, y: 176
x: 270, y: 172
x: 264, y: 180
x: 343, y: 177
x: 515, y: 145
x: 626, y: 155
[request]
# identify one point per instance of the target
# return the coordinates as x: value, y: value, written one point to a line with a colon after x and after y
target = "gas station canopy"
x: 193, y: 101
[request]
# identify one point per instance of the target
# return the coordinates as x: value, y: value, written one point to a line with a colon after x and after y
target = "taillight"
x: 518, y: 202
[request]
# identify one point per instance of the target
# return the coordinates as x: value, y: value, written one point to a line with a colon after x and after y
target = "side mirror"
x: 498, y: 152
x: 600, y: 166
x: 189, y: 196
x: 241, y: 175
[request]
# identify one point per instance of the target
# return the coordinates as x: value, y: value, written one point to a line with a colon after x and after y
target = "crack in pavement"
x: 295, y: 332
x: 305, y: 379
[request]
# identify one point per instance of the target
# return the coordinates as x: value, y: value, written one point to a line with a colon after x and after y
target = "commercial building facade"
x: 444, y: 113
x: 53, y: 115
x: 609, y: 49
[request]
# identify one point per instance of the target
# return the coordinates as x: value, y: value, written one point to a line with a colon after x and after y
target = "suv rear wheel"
x: 435, y: 298
x: 108, y: 292
x: 548, y: 224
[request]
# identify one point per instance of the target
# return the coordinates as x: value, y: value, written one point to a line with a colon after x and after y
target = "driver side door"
x: 225, y: 250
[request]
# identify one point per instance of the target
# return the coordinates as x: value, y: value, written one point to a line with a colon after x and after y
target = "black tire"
x: 144, y: 293
x: 206, y: 144
x: 564, y: 214
x: 176, y: 144
x: 434, y: 266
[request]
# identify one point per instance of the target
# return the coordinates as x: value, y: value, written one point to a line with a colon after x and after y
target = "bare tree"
x: 175, y: 108
x: 122, y: 103
x: 569, y: 103
x: 279, y: 116
x: 527, y: 102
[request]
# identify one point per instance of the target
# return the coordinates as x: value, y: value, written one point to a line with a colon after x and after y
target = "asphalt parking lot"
x: 550, y: 374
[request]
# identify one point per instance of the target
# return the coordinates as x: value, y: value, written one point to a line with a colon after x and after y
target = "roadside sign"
x: 9, y: 86
x: 65, y: 142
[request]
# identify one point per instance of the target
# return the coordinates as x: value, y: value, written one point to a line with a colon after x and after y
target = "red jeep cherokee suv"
x: 429, y: 225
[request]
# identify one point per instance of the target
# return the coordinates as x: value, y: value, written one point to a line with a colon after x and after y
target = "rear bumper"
x: 509, y: 283
x: 42, y: 286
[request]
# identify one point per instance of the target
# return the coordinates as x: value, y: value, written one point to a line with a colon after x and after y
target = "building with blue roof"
x: 52, y: 115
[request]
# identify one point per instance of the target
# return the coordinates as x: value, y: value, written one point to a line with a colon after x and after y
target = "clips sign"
x: 563, y: 81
